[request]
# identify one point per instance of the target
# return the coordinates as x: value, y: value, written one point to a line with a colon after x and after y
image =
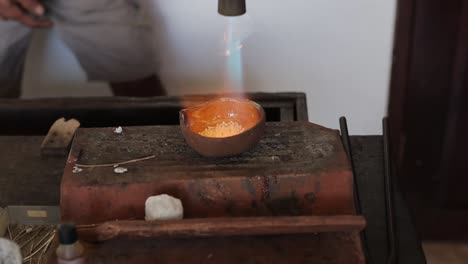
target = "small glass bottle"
x: 70, y: 250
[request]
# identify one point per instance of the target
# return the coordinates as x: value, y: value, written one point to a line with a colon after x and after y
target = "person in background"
x: 110, y: 39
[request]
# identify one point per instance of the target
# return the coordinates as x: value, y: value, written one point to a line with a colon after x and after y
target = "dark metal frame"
x: 357, y: 200
x: 389, y: 204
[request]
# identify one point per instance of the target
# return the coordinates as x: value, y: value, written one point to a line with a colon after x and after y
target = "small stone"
x: 77, y: 169
x: 120, y: 170
x: 118, y: 130
x: 163, y: 207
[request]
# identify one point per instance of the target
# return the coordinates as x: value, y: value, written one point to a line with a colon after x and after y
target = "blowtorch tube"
x: 231, y: 7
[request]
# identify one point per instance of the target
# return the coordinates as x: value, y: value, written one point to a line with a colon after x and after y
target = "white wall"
x: 338, y: 52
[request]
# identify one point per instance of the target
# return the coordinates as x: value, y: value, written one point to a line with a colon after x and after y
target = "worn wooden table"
x: 297, y: 169
x: 28, y: 179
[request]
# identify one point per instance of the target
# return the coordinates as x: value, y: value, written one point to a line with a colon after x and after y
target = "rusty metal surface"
x: 329, y: 248
x: 298, y: 169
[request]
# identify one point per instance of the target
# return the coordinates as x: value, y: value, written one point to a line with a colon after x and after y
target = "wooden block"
x: 59, y: 137
x: 297, y: 169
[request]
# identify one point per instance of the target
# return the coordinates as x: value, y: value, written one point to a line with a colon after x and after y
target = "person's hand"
x: 12, y: 10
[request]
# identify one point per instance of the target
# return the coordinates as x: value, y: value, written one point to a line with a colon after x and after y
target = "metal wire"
x: 390, y: 210
x: 357, y: 200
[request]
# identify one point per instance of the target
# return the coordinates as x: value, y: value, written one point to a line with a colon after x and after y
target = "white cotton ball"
x: 10, y: 252
x: 163, y: 207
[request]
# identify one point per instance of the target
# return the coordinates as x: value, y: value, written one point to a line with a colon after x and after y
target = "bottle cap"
x: 67, y: 234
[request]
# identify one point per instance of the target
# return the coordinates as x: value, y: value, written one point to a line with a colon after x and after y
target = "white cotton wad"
x: 9, y: 252
x: 163, y: 207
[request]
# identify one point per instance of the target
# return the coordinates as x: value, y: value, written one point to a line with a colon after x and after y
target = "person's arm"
x: 13, y: 10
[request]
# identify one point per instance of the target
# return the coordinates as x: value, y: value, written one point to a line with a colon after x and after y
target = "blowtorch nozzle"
x: 231, y: 7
